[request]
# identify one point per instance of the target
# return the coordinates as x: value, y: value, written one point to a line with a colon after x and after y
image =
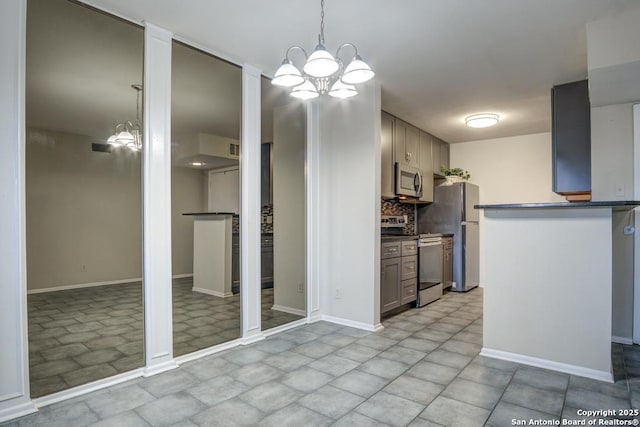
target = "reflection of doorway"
x: 83, y: 197
x: 283, y: 208
x: 206, y: 94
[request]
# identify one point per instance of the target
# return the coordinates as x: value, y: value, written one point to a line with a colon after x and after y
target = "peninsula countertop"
x: 615, y: 204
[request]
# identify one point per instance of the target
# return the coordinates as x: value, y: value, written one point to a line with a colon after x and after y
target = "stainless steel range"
x: 430, y: 255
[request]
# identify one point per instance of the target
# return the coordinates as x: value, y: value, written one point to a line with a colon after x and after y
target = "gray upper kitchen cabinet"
x: 444, y: 154
x: 426, y: 165
x: 439, y: 154
x: 387, y: 189
x: 571, y: 138
x: 407, y: 139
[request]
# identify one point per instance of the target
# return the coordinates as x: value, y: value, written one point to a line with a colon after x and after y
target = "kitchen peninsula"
x: 549, y: 272
x: 212, y: 253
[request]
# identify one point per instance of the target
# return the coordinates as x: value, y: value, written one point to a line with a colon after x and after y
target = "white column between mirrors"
x: 14, y: 373
x: 157, y: 201
x: 312, y: 223
x: 250, y: 205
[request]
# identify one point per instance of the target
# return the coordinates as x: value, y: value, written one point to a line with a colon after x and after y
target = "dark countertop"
x: 393, y: 238
x: 616, y: 204
x: 209, y: 213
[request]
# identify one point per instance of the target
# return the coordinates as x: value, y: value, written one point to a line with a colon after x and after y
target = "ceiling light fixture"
x: 322, y: 73
x: 198, y: 163
x: 129, y: 134
x: 483, y: 120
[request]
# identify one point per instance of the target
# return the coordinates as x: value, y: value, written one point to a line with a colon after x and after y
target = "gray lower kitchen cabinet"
x: 389, y: 280
x: 398, y: 274
x: 387, y: 189
x: 406, y: 139
x: 266, y: 259
x: 266, y: 190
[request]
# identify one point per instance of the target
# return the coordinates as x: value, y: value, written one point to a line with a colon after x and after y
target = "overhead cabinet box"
x: 571, y: 143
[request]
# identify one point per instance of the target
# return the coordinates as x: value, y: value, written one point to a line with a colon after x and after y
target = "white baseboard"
x: 182, y: 276
x: 255, y: 337
x: 622, y: 340
x: 285, y: 327
x: 208, y: 351
x: 212, y: 292
x: 159, y: 368
x: 18, y: 410
x: 94, y: 284
x: 352, y: 323
x: 548, y: 364
x: 289, y: 310
x: 87, y: 388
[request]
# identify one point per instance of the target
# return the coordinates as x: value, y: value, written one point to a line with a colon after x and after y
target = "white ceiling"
x: 437, y: 60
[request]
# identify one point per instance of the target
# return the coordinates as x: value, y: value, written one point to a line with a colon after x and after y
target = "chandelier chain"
x: 322, y: 22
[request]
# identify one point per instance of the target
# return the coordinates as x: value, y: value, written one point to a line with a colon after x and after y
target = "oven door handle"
x: 424, y: 244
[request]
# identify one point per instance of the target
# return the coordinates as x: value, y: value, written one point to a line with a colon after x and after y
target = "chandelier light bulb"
x: 357, y: 72
x: 287, y: 75
x: 321, y: 63
x: 305, y: 91
x: 483, y: 120
x: 125, y: 137
x: 342, y: 90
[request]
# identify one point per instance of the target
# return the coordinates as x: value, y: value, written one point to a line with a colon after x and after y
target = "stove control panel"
x: 393, y: 221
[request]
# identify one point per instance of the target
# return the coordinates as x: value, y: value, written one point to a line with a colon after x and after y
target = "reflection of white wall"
x: 84, y: 209
x: 187, y: 187
x: 224, y: 190
x: 289, y: 208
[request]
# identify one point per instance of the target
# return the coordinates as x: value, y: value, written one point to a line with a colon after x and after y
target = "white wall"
x: 622, y: 280
x: 289, y: 266
x: 612, y: 152
x: 507, y: 170
x: 548, y: 301
x: 349, y: 207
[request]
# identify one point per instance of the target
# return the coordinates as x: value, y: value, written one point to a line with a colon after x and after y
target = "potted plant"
x: 453, y: 175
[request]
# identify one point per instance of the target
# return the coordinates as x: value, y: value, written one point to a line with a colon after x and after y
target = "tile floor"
x: 423, y: 369
x: 79, y: 336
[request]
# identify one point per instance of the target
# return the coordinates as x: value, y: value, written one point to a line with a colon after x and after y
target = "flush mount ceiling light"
x: 129, y: 134
x: 483, y: 120
x: 198, y: 163
x: 322, y: 73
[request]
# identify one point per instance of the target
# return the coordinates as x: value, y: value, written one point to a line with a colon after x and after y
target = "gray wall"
x: 84, y: 208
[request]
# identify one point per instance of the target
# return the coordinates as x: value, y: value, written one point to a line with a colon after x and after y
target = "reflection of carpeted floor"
x: 78, y: 336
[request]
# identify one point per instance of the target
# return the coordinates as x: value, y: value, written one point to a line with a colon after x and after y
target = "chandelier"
x: 322, y: 72
x: 129, y: 134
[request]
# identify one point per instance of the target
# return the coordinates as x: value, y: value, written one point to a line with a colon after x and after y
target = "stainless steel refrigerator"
x: 452, y: 212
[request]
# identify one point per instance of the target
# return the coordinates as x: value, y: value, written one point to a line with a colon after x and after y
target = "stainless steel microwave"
x: 408, y: 181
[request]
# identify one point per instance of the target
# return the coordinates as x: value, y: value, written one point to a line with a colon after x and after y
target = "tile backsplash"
x: 266, y: 211
x: 393, y: 207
